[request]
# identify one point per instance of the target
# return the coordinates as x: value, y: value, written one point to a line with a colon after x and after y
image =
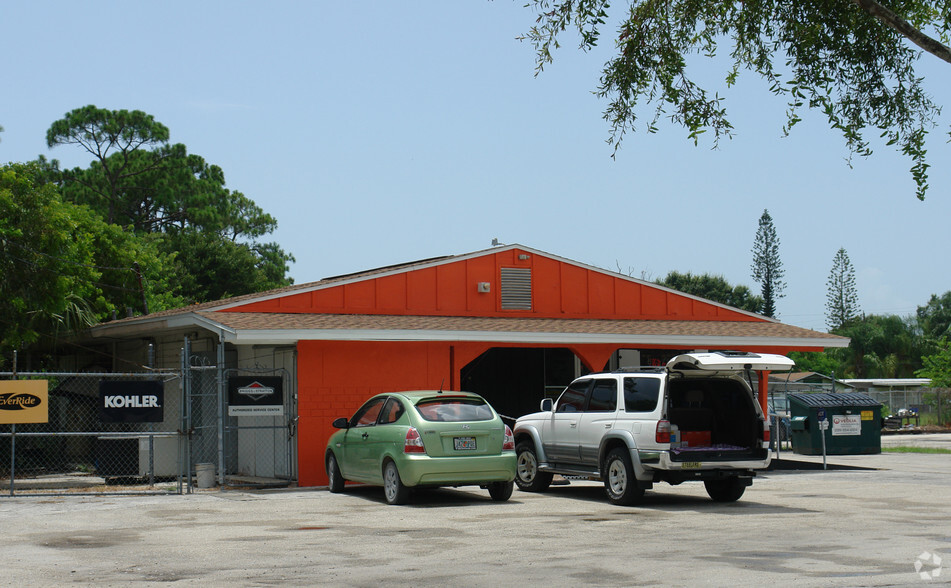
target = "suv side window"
x: 603, y: 396
x: 572, y: 399
x: 640, y: 394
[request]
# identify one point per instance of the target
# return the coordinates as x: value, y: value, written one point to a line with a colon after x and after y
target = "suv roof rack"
x: 650, y: 369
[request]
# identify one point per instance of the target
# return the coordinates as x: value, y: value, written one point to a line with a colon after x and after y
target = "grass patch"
x: 906, y: 449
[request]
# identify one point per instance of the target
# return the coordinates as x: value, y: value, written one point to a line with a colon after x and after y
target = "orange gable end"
x: 560, y: 289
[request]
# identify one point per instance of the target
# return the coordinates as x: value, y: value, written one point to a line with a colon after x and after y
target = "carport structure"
x: 511, y: 323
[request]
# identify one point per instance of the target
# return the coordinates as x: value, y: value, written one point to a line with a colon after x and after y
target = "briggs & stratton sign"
x: 255, y: 396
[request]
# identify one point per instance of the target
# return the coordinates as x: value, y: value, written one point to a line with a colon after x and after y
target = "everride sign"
x: 24, y: 401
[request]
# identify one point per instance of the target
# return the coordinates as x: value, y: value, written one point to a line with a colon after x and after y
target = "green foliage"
x: 211, y: 268
x: 937, y: 366
x: 140, y: 181
x: 63, y: 267
x: 885, y: 346
x: 821, y: 363
x: 935, y: 317
x: 767, y: 267
x: 842, y: 299
x: 714, y: 288
x: 849, y: 61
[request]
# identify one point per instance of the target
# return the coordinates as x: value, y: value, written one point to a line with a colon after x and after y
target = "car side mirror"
x: 547, y: 404
x: 341, y: 423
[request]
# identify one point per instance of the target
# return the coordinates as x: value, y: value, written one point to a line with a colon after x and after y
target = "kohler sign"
x: 131, y: 401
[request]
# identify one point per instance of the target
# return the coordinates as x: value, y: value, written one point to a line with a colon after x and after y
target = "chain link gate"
x: 234, y: 444
x: 90, y: 444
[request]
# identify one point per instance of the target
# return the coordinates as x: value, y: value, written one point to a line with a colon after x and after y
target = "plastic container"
x: 205, y: 475
x: 674, y: 436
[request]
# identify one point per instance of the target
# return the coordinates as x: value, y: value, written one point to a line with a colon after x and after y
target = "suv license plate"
x: 464, y: 443
x: 691, y: 465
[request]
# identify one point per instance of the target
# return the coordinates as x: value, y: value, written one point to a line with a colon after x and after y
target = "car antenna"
x: 440, y: 386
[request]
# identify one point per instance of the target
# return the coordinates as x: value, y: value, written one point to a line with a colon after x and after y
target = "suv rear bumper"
x: 660, y: 460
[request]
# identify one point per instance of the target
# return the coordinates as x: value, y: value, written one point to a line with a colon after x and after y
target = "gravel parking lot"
x: 865, y: 522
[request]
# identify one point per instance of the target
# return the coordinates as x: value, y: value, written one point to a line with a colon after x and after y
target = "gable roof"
x: 618, y: 309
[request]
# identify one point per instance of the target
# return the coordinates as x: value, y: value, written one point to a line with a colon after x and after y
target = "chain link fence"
x: 105, y: 433
x: 922, y: 408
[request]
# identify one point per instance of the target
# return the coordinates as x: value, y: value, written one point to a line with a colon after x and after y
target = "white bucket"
x: 205, y: 474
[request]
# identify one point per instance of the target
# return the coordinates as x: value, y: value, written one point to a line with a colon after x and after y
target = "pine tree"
x: 767, y: 267
x: 842, y: 299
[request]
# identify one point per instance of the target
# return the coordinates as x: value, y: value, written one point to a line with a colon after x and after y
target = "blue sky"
x: 383, y: 132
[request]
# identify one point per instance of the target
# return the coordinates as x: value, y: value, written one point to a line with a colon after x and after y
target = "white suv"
x: 696, y: 419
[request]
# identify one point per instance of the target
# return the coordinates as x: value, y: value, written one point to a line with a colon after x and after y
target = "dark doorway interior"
x: 514, y: 380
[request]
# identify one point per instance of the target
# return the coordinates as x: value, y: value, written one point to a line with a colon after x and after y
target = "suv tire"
x: 725, y: 490
x: 619, y: 480
x: 527, y: 476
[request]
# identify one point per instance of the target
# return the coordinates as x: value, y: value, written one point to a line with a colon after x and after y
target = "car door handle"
x: 365, y: 435
x: 607, y: 425
x: 572, y: 425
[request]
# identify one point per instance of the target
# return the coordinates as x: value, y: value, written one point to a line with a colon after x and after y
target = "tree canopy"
x: 935, y: 317
x: 853, y: 62
x: 63, y: 267
x: 767, y: 267
x: 714, y: 288
x: 842, y: 299
x: 139, y: 180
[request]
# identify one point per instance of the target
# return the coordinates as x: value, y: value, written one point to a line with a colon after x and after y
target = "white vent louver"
x: 516, y: 288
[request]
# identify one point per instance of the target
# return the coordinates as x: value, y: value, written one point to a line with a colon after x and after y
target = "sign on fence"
x: 131, y: 401
x: 255, y: 396
x: 24, y: 401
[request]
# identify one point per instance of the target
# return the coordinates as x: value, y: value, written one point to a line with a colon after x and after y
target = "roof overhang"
x: 288, y: 329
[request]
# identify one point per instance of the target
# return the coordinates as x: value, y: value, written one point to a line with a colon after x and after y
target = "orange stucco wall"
x: 559, y: 290
x: 336, y: 377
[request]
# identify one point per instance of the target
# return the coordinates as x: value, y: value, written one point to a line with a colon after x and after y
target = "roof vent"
x: 516, y: 288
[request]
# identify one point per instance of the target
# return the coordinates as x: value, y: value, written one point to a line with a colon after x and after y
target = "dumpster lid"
x: 834, y: 399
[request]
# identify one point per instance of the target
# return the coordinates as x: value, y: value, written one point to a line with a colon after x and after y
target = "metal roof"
x: 834, y: 400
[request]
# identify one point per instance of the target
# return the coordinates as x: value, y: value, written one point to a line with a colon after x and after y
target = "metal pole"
x: 221, y: 410
x: 13, y: 453
x: 187, y: 416
x: 13, y: 436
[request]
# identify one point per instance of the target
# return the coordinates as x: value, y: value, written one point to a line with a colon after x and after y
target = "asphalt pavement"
x: 877, y: 520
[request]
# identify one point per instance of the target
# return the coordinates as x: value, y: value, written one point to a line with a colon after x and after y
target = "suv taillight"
x: 508, y: 444
x: 766, y: 434
x: 662, y: 433
x: 413, y: 443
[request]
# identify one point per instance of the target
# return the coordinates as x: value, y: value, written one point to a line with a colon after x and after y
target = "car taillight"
x: 509, y: 443
x: 662, y: 433
x: 413, y: 443
x: 766, y: 433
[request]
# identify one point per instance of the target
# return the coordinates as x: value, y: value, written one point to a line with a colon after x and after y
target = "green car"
x: 404, y: 440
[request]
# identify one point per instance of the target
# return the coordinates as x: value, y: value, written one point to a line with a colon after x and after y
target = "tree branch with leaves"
x: 850, y: 60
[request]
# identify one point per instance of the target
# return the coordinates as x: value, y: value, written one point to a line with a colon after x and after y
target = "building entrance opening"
x: 514, y: 380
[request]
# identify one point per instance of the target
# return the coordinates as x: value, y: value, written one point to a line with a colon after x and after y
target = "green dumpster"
x: 855, y: 423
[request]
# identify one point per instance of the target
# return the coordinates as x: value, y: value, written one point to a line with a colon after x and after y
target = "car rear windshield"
x: 454, y: 410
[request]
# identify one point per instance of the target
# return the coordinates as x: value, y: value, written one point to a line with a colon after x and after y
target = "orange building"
x: 511, y: 323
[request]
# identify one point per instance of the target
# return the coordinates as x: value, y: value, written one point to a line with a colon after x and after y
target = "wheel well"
x: 608, y: 446
x: 524, y: 437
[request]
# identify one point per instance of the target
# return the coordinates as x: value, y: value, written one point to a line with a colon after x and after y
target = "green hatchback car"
x: 404, y: 440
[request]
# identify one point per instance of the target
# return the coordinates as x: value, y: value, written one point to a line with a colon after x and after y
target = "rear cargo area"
x: 717, y: 420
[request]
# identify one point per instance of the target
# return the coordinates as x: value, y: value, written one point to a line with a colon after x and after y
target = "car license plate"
x: 464, y: 443
x: 691, y: 465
